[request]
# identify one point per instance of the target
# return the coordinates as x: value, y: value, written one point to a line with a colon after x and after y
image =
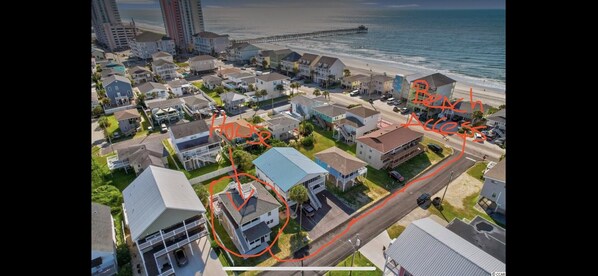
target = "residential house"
x: 209, y: 43
x: 498, y: 119
x: 163, y: 214
x: 242, y: 52
x: 328, y: 70
x: 467, y: 110
x: 290, y: 63
x: 439, y: 85
x: 194, y: 145
x: 238, y: 80
x: 128, y: 120
x: 357, y: 122
x: 196, y: 104
x: 94, y: 98
x: 249, y: 226
x: 354, y: 81
x: 343, y: 168
x: 389, y: 146
x: 272, y: 57
x: 224, y: 73
x: 493, y: 193
x: 285, y: 167
x: 98, y: 53
x: 153, y: 90
x: 376, y: 84
x: 140, y: 74
x: 165, y: 111
x: 329, y: 115
x: 263, y: 55
x: 103, y: 241
x: 147, y: 43
x: 302, y: 106
x: 139, y: 157
x: 426, y: 248
x: 270, y: 82
x: 179, y: 87
x: 202, y: 64
x: 118, y: 90
x: 246, y: 82
x: 211, y: 81
x: 164, y: 69
x: 111, y: 72
x: 307, y: 64
x: 162, y: 56
x: 235, y: 132
x: 282, y: 126
x: 400, y: 87
x: 233, y: 101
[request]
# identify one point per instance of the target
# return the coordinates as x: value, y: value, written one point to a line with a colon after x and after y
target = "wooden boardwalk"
x: 274, y: 38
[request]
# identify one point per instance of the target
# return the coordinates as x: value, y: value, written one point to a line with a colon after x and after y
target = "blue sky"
x: 386, y: 4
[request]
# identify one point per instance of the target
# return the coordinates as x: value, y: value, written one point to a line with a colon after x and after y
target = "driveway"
x: 97, y: 134
x: 332, y: 213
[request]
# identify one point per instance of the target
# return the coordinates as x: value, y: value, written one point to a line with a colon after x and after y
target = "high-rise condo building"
x: 182, y: 19
x: 109, y: 29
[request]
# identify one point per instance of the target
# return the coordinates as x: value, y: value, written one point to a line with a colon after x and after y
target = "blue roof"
x: 286, y: 166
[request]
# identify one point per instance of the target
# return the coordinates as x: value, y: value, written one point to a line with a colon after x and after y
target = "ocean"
x: 467, y: 45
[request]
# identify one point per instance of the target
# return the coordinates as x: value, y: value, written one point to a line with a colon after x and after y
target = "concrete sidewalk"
x: 373, y: 249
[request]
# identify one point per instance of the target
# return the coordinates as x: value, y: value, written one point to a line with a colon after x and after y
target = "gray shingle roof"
x: 340, y: 160
x: 188, y: 129
x: 426, y: 248
x: 363, y: 112
x: 161, y: 54
x: 195, y: 100
x: 389, y: 138
x: 499, y: 171
x: 499, y: 116
x: 309, y: 58
x: 232, y: 97
x: 436, y: 80
x: 138, y: 70
x: 211, y: 79
x: 353, y: 78
x: 149, y: 86
x: 272, y: 77
x: 292, y: 57
x: 162, y: 62
x: 257, y: 231
x: 126, y: 114
x: 305, y: 101
x: 177, y: 83
x: 282, y: 120
x: 260, y: 203
x: 159, y: 198
x: 150, y: 37
x: 113, y: 78
x: 331, y: 110
x: 201, y: 58
x: 326, y: 60
x: 143, y: 154
x: 101, y: 228
x: 159, y: 103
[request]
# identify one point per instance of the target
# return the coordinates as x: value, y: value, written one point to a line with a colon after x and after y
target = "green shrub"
x: 308, y: 141
x: 108, y: 195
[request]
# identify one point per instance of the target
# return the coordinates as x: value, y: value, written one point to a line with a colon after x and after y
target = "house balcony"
x: 162, y: 235
x: 115, y: 163
x: 107, y: 271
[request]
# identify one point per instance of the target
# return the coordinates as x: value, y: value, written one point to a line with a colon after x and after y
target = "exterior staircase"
x: 348, y: 137
x: 321, y: 122
x: 313, y: 199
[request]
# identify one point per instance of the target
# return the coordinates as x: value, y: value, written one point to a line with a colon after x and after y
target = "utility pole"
x: 447, y: 184
x: 355, y: 248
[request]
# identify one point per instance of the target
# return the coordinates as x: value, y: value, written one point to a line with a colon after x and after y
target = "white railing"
x: 115, y: 163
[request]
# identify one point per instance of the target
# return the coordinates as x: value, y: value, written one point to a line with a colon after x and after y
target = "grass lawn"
x: 324, y: 141
x: 101, y: 174
x: 182, y: 64
x: 395, y: 230
x: 477, y: 170
x: 209, y: 92
x: 220, y: 185
x: 359, y: 260
x: 113, y: 124
x: 450, y: 212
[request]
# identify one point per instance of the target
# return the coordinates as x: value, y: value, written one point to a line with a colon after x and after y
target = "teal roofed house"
x: 285, y: 167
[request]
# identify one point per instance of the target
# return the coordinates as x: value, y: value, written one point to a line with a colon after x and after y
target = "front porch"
x: 345, y: 182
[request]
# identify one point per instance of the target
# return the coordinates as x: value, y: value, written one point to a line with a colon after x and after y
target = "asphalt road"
x: 374, y: 223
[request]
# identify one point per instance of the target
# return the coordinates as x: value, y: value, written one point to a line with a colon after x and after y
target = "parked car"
x: 354, y: 93
x: 435, y: 148
x: 396, y: 175
x: 423, y: 198
x: 390, y: 101
x: 116, y: 135
x: 385, y: 97
x: 181, y: 259
x: 477, y: 135
x: 163, y: 128
x: 396, y: 109
x: 405, y: 110
x: 308, y: 210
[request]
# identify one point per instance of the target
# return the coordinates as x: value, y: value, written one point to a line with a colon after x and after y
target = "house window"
x: 370, y: 150
x: 270, y: 213
x: 370, y: 157
x: 361, y: 146
x: 493, y: 195
x: 360, y: 152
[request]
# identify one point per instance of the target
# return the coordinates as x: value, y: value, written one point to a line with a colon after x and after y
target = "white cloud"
x: 403, y: 6
x: 369, y: 3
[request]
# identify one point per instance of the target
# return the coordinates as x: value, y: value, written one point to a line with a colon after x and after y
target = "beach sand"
x: 487, y: 95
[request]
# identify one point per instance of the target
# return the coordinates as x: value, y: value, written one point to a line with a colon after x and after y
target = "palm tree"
x: 253, y: 61
x: 317, y: 92
x: 326, y: 94
x: 105, y: 101
x: 280, y: 87
x: 262, y: 93
x: 298, y: 194
x: 295, y: 71
x: 330, y: 77
x: 347, y: 72
x: 264, y: 64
